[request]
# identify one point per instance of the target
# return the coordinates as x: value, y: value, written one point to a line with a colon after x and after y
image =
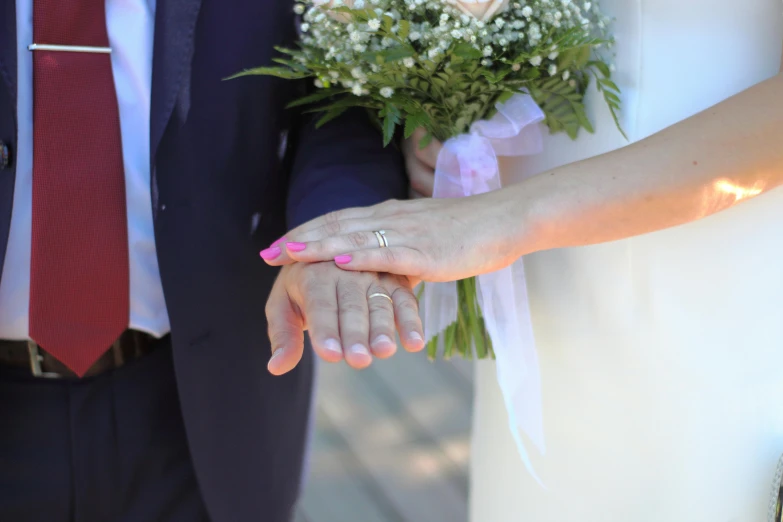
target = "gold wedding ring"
x: 380, y: 294
x: 380, y: 235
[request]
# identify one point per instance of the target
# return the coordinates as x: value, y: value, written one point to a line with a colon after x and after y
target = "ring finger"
x: 381, y: 321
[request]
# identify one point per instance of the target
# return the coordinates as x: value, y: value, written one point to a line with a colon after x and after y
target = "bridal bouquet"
x: 479, y: 75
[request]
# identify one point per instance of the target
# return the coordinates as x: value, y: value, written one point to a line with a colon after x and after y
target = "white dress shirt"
x: 130, y: 25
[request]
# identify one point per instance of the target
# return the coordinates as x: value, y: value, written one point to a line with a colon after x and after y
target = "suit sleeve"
x: 343, y: 164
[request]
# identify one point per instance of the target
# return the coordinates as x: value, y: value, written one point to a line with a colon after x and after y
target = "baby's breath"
x: 433, y: 64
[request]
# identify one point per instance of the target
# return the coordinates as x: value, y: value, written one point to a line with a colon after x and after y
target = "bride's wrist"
x: 532, y: 216
x: 517, y: 211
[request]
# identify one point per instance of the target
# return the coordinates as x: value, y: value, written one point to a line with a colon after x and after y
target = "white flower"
x: 456, y: 34
x: 305, y: 27
x: 587, y: 6
x: 299, y: 9
x: 319, y: 84
x: 552, y: 70
x: 527, y: 11
x: 487, y: 51
x: 387, y: 92
x: 414, y: 36
x: 553, y: 55
x: 432, y: 53
x: 357, y: 89
x: 499, y: 22
x: 358, y: 4
x: 374, y: 24
x: 566, y: 76
x: 516, y: 67
x: 334, y: 74
x: 408, y: 62
x: 536, y: 61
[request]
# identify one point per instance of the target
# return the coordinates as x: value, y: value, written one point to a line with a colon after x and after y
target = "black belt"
x: 131, y: 345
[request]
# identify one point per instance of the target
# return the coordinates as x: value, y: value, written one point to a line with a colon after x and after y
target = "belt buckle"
x: 35, y: 362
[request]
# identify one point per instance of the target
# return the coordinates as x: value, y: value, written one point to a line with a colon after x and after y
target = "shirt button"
x: 5, y: 160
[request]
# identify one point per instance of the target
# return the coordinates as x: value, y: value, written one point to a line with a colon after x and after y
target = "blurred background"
x: 391, y: 442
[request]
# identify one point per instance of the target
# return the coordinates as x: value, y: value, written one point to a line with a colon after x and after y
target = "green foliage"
x: 445, y: 95
x: 373, y: 60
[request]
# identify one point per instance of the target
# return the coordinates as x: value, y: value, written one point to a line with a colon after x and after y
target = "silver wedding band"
x: 380, y: 235
x: 381, y: 294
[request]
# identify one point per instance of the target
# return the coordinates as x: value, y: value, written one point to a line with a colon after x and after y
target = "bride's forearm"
x: 702, y: 165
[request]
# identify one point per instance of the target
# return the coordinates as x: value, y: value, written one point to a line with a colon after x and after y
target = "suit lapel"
x: 175, y: 25
x: 8, y: 46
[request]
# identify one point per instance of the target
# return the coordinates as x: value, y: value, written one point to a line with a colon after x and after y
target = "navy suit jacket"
x: 221, y: 193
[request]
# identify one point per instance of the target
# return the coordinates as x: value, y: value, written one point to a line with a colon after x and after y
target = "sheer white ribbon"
x: 468, y: 165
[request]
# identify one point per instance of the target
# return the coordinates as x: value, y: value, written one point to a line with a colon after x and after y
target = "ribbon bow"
x: 468, y: 165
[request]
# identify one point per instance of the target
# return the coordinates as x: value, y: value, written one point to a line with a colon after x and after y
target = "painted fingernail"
x: 295, y: 247
x: 333, y: 346
x: 415, y: 337
x: 277, y: 243
x: 359, y: 349
x: 271, y: 253
x: 277, y: 353
x: 343, y: 260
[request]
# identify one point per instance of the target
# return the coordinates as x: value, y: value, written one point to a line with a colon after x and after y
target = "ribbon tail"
x: 439, y: 309
x: 504, y: 303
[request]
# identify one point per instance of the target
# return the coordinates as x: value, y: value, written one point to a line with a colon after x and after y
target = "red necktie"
x: 79, y: 295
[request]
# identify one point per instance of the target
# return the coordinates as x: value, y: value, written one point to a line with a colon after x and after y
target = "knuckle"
x: 409, y: 306
x: 351, y: 289
x: 410, y: 326
x: 279, y: 337
x: 357, y: 240
x: 352, y: 307
x: 332, y: 228
x: 319, y: 303
x: 388, y: 256
x: 333, y: 217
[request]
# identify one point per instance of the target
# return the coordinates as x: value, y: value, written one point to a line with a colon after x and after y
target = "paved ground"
x: 391, y: 443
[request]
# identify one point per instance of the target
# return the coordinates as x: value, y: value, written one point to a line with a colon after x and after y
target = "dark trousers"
x: 106, y: 449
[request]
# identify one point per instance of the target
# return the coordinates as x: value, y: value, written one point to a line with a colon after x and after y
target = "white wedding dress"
x: 661, y: 355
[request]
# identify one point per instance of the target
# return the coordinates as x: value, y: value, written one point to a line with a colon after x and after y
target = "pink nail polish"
x: 295, y: 247
x: 277, y: 243
x: 271, y: 253
x: 343, y: 260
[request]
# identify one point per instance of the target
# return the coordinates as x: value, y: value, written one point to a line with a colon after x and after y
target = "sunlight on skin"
x: 724, y: 194
x: 739, y: 192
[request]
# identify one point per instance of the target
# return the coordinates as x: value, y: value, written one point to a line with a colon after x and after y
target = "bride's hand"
x: 428, y: 239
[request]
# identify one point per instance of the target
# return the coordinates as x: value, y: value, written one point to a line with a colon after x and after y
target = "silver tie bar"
x: 69, y: 48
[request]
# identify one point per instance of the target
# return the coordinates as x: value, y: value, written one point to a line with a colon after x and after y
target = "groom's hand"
x: 343, y: 320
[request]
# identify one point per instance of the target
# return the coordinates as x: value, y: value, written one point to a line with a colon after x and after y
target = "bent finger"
x: 286, y: 333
